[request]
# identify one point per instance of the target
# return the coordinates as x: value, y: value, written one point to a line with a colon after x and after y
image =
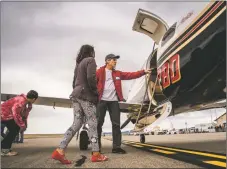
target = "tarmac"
x: 205, y: 150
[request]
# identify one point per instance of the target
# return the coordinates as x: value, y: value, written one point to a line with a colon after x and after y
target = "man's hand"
x: 22, y: 129
x: 147, y: 71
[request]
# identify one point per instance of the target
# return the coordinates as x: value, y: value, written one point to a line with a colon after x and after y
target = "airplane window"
x: 169, y: 34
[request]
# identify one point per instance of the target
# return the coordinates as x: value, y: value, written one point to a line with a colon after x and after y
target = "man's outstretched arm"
x: 134, y: 75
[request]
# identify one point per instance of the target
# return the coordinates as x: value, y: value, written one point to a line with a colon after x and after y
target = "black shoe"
x: 118, y: 151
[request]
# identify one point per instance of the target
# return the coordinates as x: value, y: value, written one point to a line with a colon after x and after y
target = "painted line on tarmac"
x: 179, y: 150
x: 199, y: 158
x: 217, y: 163
x: 163, y: 151
x: 214, y: 158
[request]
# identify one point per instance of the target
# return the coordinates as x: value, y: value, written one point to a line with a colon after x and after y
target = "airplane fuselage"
x: 190, y: 58
x: 192, y: 69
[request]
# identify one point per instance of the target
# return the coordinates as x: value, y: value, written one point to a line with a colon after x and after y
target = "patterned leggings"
x: 83, y: 109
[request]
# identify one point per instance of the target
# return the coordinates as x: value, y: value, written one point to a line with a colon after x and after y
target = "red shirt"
x: 16, y: 108
x: 117, y: 77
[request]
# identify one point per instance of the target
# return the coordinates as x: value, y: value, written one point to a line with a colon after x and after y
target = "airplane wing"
x: 66, y: 103
x: 212, y: 105
x: 201, y: 107
x: 132, y: 107
x: 44, y: 101
x: 124, y: 107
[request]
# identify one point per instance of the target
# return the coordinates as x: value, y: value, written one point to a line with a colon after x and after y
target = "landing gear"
x: 142, y: 138
x: 157, y: 115
x: 84, y: 140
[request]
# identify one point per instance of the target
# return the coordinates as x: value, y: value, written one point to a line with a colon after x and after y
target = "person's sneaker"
x: 8, y: 152
x: 99, y: 158
x: 118, y: 151
x: 60, y: 157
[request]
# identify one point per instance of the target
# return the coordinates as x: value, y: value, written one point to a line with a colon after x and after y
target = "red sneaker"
x: 99, y: 158
x: 57, y: 156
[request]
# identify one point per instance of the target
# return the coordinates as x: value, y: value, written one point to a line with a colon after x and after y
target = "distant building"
x: 221, y: 119
x: 221, y: 123
x: 204, y: 128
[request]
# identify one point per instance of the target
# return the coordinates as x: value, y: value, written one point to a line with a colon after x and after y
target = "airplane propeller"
x: 77, y: 136
x: 126, y: 122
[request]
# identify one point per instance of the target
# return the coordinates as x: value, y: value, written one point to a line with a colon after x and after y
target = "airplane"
x: 188, y: 62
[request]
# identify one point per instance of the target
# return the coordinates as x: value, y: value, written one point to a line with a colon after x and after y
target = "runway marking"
x: 163, y: 151
x: 217, y: 163
x: 181, y: 150
x: 156, y: 150
x: 204, y: 159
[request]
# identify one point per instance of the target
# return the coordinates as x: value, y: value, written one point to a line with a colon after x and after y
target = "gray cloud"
x: 18, y: 20
x: 21, y: 21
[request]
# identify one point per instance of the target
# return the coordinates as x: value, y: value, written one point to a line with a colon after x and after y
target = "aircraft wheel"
x: 142, y: 138
x: 157, y: 115
x: 84, y: 140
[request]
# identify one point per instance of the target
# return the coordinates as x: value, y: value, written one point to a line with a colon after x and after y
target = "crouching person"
x: 14, y: 114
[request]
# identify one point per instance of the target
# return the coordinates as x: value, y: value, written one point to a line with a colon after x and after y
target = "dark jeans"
x: 10, y: 137
x: 19, y: 138
x: 114, y: 111
x: 2, y: 130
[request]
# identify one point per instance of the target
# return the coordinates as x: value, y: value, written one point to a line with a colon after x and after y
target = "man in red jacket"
x: 110, y: 92
x: 14, y: 114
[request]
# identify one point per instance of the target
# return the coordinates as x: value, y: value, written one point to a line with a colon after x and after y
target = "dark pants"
x: 21, y: 137
x: 114, y: 110
x: 2, y: 130
x: 10, y: 137
x: 17, y: 138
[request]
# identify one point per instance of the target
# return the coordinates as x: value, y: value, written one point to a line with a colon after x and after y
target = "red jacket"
x: 15, y: 108
x: 117, y: 77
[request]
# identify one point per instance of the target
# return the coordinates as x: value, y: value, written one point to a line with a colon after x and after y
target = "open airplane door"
x: 154, y: 27
x: 150, y: 24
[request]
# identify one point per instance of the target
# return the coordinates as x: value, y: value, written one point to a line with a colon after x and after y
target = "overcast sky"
x: 40, y: 41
